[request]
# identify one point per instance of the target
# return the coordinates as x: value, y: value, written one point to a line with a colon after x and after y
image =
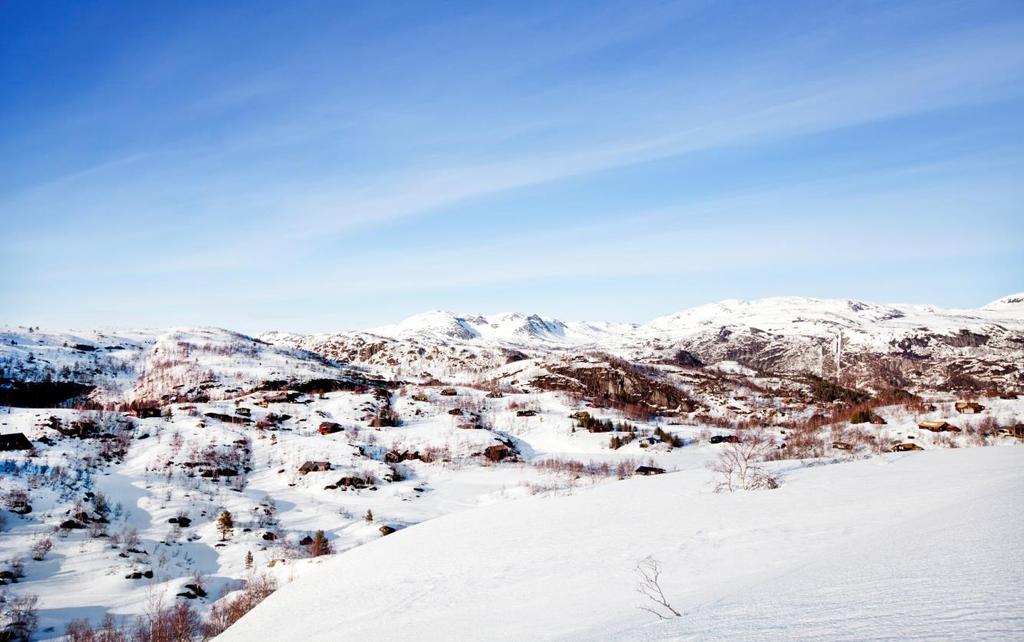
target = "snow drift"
x: 919, y: 546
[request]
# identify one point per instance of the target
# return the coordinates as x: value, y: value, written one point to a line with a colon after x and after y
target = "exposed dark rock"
x: 685, y: 359
x: 198, y: 590
x: 498, y: 452
x: 352, y: 482
x: 616, y: 382
x: 965, y: 339
x: 329, y: 428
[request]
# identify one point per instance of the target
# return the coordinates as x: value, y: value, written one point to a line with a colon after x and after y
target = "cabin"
x: 724, y: 439
x: 449, y: 392
x: 315, y: 467
x: 15, y: 441
x: 277, y: 397
x: 649, y: 470
x: 898, y: 448
x: 841, y: 445
x: 938, y: 426
x: 495, y: 394
x: 969, y: 407
x: 395, y: 457
x: 228, y: 419
x: 877, y: 421
x: 526, y: 413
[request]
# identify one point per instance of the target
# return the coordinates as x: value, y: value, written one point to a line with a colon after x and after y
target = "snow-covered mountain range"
x: 785, y: 316
x: 782, y: 334
x: 911, y: 344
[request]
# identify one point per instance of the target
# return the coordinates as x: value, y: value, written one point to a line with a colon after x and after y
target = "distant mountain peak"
x: 1010, y: 301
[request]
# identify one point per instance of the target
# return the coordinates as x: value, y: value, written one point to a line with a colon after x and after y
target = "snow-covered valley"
x: 508, y: 469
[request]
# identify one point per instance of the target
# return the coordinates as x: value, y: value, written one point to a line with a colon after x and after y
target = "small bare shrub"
x: 107, y: 631
x: 320, y: 545
x: 41, y: 547
x: 18, y: 617
x: 17, y: 501
x: 804, y: 441
x: 227, y: 611
x: 649, y: 571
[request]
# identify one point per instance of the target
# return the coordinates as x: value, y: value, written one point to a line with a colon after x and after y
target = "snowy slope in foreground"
x: 920, y: 546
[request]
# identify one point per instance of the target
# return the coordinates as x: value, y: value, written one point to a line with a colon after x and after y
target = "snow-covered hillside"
x: 914, y: 546
x: 156, y: 366
x: 120, y: 453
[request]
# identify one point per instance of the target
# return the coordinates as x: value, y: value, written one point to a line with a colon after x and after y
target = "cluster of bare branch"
x: 649, y: 585
x: 739, y: 466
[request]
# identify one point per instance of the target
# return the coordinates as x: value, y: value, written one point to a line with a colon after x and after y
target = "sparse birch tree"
x: 739, y: 466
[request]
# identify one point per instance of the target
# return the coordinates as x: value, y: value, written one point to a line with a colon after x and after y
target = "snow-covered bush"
x: 16, y: 500
x: 16, y: 566
x: 41, y: 547
x: 18, y: 617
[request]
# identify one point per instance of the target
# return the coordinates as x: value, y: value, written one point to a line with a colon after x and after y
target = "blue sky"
x: 315, y: 166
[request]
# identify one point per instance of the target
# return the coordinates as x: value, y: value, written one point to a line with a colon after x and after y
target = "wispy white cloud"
x: 247, y: 179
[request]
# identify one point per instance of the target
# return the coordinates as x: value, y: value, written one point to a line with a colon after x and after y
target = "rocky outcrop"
x: 614, y: 381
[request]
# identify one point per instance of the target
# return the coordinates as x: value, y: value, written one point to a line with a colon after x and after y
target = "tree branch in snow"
x: 649, y: 571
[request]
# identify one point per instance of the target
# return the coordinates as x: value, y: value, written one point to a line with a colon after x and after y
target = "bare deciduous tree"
x: 649, y: 571
x: 739, y: 465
